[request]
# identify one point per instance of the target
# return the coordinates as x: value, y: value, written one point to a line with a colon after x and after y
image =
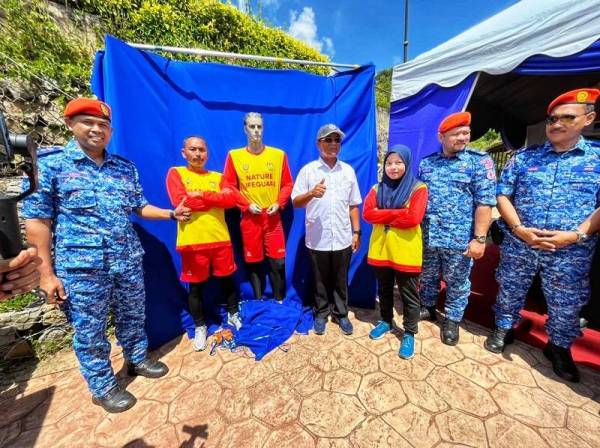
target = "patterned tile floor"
x: 326, y: 391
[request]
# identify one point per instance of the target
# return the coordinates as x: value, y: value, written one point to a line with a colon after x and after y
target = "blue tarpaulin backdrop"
x: 157, y: 102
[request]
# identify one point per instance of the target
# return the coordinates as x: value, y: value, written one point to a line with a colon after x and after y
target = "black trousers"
x: 257, y: 280
x: 330, y: 270
x: 229, y: 292
x: 408, y: 286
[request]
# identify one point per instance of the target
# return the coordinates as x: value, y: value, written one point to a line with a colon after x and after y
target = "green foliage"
x: 32, y: 38
x: 17, y: 303
x: 383, y: 86
x: 46, y: 349
x: 487, y: 140
x: 207, y: 24
x: 45, y: 48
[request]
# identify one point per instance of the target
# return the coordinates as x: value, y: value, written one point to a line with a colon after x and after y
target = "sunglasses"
x: 331, y: 139
x: 564, y: 119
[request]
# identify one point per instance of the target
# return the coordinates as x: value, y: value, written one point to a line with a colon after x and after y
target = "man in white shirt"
x: 327, y: 187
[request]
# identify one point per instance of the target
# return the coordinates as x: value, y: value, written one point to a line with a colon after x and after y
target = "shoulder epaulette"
x: 475, y: 151
x: 47, y: 150
x: 526, y: 149
x: 431, y: 155
x: 123, y: 159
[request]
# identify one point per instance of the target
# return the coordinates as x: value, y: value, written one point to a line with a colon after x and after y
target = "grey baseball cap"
x: 329, y: 129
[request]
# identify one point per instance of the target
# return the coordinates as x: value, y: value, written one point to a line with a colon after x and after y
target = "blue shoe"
x: 407, y: 347
x: 380, y: 330
x: 346, y: 326
x: 319, y: 325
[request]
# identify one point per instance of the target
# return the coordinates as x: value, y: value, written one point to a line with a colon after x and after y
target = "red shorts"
x: 196, y: 265
x: 262, y: 233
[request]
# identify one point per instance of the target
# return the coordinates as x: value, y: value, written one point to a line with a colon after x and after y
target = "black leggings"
x: 195, y: 298
x: 407, y: 284
x: 276, y: 276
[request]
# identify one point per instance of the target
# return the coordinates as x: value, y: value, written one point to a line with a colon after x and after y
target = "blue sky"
x: 359, y: 31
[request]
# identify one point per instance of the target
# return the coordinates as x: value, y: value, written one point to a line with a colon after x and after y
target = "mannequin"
x: 262, y: 175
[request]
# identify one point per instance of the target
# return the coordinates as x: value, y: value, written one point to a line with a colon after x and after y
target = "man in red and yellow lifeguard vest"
x: 262, y: 176
x: 203, y: 241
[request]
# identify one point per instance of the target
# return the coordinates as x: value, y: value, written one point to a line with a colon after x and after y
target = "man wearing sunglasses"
x: 328, y: 188
x: 544, y: 194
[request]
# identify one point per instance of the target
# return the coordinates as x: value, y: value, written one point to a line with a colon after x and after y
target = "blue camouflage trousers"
x: 454, y: 268
x: 92, y: 293
x: 565, y: 282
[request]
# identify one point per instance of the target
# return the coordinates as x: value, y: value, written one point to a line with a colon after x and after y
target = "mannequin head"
x: 253, y: 127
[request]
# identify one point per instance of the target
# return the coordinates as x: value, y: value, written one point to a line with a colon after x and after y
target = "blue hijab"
x: 395, y: 193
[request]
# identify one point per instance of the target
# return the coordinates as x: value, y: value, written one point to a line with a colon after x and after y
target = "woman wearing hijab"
x: 396, y: 206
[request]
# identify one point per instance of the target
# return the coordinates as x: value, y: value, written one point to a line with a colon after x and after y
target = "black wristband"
x: 357, y: 232
x: 172, y: 215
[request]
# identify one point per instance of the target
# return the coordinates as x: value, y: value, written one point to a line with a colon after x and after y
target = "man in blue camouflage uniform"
x: 544, y: 194
x: 461, y: 185
x: 81, y: 208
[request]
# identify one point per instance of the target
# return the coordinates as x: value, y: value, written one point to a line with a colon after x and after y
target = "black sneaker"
x: 148, y: 368
x: 450, y: 332
x: 562, y: 362
x: 499, y: 339
x: 116, y: 400
x: 428, y: 313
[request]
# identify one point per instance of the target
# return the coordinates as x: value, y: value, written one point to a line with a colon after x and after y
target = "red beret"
x: 87, y: 106
x: 577, y: 96
x: 455, y: 120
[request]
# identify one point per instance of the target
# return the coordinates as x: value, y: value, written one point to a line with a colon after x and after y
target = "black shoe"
x: 428, y: 313
x: 499, y: 339
x: 450, y: 332
x: 116, y: 400
x: 562, y: 362
x: 148, y: 368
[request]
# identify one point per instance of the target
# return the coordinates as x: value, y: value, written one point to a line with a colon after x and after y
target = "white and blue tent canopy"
x: 504, y: 70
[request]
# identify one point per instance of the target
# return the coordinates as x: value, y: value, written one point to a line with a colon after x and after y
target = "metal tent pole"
x: 405, y: 43
x: 222, y: 54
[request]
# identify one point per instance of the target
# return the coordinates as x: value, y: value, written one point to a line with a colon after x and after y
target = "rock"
x: 22, y: 349
x: 8, y: 335
x: 22, y: 320
x: 19, y: 89
x: 52, y: 315
x: 54, y: 334
x: 50, y: 118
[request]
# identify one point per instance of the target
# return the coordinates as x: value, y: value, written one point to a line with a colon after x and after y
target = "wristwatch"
x: 480, y: 238
x: 357, y: 232
x: 172, y: 215
x: 581, y: 237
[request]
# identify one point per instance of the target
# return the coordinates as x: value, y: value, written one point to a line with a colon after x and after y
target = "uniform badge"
x: 270, y: 166
x: 104, y: 110
x: 213, y: 184
x: 245, y: 167
x: 582, y: 97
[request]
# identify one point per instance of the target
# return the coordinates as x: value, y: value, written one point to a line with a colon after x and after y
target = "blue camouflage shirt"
x: 552, y: 190
x: 89, y: 206
x: 457, y: 185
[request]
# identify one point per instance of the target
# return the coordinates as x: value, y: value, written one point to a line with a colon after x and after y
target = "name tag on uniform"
x: 534, y: 169
x: 588, y: 168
